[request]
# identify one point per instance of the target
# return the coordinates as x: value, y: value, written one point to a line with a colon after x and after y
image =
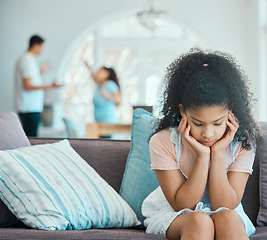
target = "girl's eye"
x: 218, y: 124
x: 198, y: 125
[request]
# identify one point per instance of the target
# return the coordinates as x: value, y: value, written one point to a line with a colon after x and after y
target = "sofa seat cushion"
x: 123, y: 234
x: 261, y: 234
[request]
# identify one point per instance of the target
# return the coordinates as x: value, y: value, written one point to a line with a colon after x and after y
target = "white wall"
x: 227, y: 25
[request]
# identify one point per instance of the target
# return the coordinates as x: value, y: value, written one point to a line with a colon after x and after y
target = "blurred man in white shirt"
x: 30, y: 88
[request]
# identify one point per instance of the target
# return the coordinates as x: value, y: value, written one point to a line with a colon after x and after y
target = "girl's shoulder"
x: 162, y: 139
x: 162, y: 135
x: 241, y: 159
x: 237, y: 148
x: 162, y: 151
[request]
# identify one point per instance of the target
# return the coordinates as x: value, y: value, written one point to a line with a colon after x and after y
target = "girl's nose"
x: 208, y: 133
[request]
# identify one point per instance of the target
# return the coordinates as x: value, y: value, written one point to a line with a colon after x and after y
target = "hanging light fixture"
x: 151, y: 19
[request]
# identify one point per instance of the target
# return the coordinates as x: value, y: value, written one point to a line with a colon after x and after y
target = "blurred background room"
x: 136, y: 38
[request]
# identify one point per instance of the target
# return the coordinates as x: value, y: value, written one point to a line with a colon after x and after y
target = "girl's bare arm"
x: 182, y: 193
x: 226, y: 190
x: 179, y: 192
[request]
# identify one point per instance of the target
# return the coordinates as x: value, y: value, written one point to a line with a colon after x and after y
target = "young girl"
x: 202, y: 151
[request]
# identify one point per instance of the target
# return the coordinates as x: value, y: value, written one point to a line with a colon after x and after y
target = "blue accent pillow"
x: 138, y: 179
x: 51, y: 187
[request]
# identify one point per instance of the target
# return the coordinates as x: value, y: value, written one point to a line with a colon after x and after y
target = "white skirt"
x: 159, y: 214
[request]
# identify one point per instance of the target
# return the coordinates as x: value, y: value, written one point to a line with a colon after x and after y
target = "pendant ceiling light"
x: 151, y: 18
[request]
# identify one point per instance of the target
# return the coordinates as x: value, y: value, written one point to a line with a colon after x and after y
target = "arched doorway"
x: 139, y: 57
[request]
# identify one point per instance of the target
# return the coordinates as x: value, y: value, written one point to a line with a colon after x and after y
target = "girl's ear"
x: 182, y: 110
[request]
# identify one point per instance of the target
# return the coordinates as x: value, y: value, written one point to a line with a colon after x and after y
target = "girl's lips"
x: 208, y: 143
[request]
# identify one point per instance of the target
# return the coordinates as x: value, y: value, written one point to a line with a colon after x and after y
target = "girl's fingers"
x: 230, y: 125
x: 187, y: 131
x: 187, y: 135
x: 182, y: 125
x: 233, y: 119
x: 232, y: 131
x: 191, y: 140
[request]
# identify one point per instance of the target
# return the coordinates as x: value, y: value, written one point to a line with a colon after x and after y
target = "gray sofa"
x: 108, y: 158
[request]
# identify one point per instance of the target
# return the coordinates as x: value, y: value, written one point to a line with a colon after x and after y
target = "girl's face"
x: 208, y: 124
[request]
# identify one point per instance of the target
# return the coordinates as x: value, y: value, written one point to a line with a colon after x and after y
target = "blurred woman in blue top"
x: 107, y: 95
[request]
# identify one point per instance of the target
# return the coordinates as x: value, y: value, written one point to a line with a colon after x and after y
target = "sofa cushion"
x: 138, y: 180
x: 261, y: 234
x: 11, y: 136
x: 11, y: 133
x: 118, y: 234
x: 51, y: 187
x: 262, y: 215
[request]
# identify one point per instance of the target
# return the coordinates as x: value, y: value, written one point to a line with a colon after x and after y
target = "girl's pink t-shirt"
x: 163, y: 155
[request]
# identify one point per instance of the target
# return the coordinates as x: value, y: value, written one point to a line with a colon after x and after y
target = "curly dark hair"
x: 208, y: 78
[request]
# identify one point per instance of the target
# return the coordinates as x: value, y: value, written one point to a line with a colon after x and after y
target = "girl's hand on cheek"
x: 222, y: 144
x: 201, y: 150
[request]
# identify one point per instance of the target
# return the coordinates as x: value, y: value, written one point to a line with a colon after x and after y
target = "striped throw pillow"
x: 51, y: 187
